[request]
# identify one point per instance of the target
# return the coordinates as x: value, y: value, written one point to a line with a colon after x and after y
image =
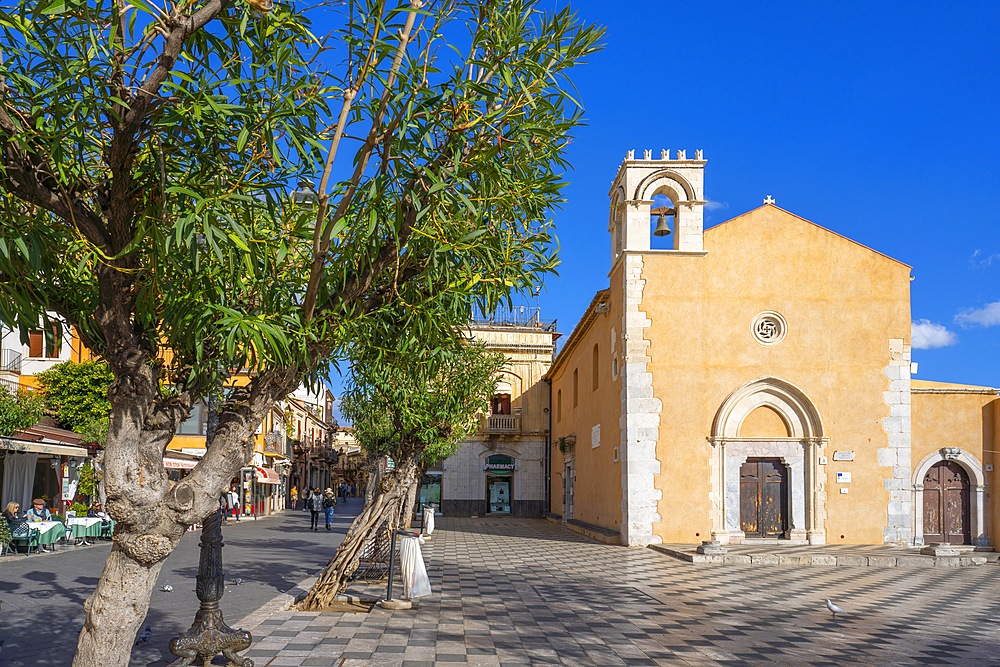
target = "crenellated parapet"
x: 672, y: 175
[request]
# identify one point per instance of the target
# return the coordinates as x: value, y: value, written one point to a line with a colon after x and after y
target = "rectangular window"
x: 576, y: 386
x: 196, y: 423
x: 559, y: 405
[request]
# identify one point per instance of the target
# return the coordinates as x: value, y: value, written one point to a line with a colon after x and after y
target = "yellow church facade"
x: 753, y: 383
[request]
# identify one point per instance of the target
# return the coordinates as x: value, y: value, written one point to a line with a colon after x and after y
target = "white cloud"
x: 982, y: 259
x: 927, y: 335
x: 715, y: 205
x: 987, y: 316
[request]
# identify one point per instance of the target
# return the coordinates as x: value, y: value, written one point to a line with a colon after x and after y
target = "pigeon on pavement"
x: 236, y: 582
x: 144, y: 636
x: 167, y: 588
x: 834, y: 609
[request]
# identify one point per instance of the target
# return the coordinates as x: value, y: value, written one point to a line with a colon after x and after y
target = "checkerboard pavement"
x: 528, y: 592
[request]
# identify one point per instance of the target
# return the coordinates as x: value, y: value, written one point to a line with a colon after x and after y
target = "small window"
x: 596, y: 367
x: 196, y: 423
x: 559, y: 405
x: 614, y: 368
x: 576, y: 386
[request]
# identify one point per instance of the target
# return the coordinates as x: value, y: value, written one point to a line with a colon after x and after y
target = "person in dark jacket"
x: 315, y: 506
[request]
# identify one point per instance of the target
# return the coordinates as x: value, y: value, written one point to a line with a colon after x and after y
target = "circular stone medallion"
x: 769, y: 328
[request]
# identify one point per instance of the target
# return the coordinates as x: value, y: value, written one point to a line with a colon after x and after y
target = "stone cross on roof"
x: 769, y: 200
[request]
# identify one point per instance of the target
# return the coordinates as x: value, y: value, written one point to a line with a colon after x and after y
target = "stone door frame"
x: 977, y: 493
x: 799, y: 452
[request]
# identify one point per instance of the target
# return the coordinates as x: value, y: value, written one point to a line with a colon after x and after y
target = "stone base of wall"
x: 521, y: 509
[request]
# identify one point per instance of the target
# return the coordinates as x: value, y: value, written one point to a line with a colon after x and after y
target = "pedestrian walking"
x: 233, y: 502
x: 294, y: 496
x: 329, y: 504
x: 314, y: 505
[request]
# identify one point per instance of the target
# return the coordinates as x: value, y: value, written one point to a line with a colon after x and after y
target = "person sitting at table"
x: 10, y: 512
x: 38, y: 511
x: 96, y: 512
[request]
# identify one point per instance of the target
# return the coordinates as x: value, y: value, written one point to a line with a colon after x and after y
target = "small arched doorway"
x: 947, y: 504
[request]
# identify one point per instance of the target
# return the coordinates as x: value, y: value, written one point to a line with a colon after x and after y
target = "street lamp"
x: 209, y: 635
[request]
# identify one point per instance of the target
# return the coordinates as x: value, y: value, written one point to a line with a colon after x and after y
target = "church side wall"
x: 597, y: 487
x: 943, y: 421
x: 842, y: 304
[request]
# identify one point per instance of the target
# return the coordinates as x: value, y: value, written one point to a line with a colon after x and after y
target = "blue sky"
x: 876, y: 123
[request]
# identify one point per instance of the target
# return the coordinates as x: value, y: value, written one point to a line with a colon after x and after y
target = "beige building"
x: 753, y: 382
x: 502, y: 469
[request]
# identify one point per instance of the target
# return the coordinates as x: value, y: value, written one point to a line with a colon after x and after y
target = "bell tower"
x: 680, y: 180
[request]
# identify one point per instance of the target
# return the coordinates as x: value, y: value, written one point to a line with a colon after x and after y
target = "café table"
x: 49, y: 532
x: 86, y: 527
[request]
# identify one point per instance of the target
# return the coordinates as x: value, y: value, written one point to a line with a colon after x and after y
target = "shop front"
x: 499, y: 470
x: 37, y: 469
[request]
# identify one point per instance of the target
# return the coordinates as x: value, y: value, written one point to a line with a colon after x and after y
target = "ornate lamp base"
x: 209, y: 635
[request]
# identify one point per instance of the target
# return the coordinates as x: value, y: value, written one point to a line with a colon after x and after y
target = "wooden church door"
x: 763, y: 498
x: 946, y: 504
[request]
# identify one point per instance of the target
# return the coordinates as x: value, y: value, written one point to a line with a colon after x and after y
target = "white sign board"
x: 843, y: 478
x: 843, y: 456
x: 595, y: 436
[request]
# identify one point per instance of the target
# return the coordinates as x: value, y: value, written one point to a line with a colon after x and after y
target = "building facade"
x: 502, y: 469
x: 753, y: 381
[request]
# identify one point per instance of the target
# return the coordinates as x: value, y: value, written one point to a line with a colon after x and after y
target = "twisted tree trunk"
x: 386, y: 503
x: 410, y: 501
x: 153, y: 513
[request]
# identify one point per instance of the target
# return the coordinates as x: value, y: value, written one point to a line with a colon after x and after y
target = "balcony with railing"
x: 10, y: 361
x: 503, y: 424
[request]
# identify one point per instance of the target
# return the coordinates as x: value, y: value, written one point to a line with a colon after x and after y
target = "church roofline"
x: 581, y: 328
x: 819, y: 226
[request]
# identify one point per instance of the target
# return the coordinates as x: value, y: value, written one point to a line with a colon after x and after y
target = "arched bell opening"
x: 662, y: 215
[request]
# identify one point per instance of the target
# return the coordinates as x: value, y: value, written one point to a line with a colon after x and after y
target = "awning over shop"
x: 178, y: 464
x: 18, y: 445
x: 267, y: 476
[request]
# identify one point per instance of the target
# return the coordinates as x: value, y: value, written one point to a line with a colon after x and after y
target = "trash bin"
x: 428, y: 519
x: 416, y: 584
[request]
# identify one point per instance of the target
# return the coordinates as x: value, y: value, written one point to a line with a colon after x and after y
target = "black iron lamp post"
x: 210, y: 635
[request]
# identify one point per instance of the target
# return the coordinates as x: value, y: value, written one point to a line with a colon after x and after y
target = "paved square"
x: 529, y: 592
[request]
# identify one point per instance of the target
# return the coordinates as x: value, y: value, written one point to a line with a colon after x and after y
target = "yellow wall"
x: 959, y: 416
x: 842, y: 303
x: 598, y: 487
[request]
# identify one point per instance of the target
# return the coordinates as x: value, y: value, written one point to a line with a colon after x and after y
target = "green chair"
x: 24, y: 534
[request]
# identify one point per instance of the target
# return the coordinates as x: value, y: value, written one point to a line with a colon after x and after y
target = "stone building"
x: 501, y: 470
x: 752, y: 381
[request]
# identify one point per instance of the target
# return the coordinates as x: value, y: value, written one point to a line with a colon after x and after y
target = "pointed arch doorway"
x: 766, y: 441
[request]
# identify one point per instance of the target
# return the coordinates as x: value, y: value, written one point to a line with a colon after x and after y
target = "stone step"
x: 859, y: 560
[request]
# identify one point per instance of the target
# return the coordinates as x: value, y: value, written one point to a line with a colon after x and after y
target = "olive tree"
x: 147, y: 153
x: 414, y: 411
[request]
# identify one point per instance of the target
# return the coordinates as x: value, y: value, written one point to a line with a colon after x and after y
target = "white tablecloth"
x: 48, y: 531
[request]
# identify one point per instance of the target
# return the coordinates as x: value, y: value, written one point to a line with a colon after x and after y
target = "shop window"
x: 500, y: 404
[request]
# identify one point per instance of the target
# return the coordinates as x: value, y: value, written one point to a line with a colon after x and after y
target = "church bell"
x: 662, y: 229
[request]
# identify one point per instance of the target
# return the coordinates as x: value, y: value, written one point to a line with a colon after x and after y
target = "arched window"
x: 596, y: 365
x: 576, y: 386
